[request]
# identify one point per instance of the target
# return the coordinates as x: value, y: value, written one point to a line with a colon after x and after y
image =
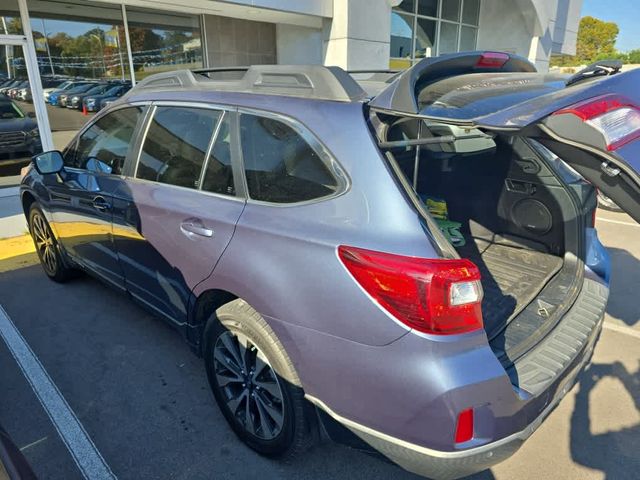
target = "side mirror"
x: 31, y: 114
x: 48, y: 162
x: 95, y: 165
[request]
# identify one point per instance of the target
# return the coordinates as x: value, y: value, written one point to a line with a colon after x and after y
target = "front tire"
x: 47, y: 247
x: 254, y: 382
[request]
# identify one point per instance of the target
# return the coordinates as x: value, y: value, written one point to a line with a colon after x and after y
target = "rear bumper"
x: 444, y: 465
x: 403, y: 399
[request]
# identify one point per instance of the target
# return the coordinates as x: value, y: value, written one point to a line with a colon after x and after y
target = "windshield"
x: 98, y: 89
x: 9, y: 110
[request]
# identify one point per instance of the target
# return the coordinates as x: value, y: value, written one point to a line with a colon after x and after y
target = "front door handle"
x: 195, y: 227
x: 99, y: 203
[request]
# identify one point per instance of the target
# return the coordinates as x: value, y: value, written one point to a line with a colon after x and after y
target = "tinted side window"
x: 176, y: 144
x: 107, y: 140
x: 280, y: 165
x: 218, y: 177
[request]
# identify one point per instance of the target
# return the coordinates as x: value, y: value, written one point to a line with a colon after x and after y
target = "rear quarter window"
x: 280, y: 166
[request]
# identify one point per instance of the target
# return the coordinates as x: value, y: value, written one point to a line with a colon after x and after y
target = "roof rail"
x: 304, y: 81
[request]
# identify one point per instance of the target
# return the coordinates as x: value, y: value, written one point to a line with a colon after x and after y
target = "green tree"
x: 596, y: 39
x: 634, y: 56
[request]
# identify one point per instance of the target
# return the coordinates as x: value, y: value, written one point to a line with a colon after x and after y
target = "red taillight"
x: 434, y: 296
x: 464, y: 427
x: 616, y: 117
x: 492, y: 60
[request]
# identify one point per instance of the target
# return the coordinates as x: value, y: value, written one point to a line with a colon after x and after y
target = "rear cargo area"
x: 508, y: 210
x: 512, y: 277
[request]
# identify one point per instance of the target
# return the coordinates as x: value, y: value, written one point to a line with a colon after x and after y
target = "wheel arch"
x: 203, y: 306
x: 27, y: 200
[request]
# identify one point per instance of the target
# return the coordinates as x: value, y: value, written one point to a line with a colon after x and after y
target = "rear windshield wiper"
x: 598, y: 69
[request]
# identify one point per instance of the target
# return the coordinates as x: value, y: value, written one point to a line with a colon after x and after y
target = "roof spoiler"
x: 402, y: 95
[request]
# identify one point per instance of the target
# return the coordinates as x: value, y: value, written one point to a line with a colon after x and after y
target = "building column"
x: 358, y: 35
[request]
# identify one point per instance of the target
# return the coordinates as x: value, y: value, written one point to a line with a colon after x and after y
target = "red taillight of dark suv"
x: 435, y: 296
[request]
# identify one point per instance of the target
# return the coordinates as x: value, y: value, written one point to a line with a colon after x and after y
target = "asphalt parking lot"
x: 143, y: 399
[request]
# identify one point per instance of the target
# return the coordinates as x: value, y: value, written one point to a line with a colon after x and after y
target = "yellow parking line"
x: 16, y: 246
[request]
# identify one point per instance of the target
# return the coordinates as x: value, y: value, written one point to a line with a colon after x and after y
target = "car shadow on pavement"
x: 624, y: 283
x: 615, y: 452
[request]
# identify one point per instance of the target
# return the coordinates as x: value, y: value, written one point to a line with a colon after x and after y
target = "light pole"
x: 46, y: 42
x: 104, y: 65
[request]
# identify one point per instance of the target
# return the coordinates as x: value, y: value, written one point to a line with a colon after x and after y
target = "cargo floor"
x: 511, y: 278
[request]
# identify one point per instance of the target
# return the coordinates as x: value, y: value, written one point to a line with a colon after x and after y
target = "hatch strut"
x: 428, y: 141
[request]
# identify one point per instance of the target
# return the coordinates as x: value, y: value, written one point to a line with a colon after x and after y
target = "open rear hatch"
x: 591, y: 121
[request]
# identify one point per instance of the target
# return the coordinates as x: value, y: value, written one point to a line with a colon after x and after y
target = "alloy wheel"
x: 249, y: 385
x: 45, y: 244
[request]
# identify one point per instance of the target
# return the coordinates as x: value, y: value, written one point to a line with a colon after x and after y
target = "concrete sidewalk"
x: 12, y: 221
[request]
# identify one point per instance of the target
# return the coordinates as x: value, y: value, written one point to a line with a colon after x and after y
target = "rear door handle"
x: 197, y: 228
x: 99, y: 203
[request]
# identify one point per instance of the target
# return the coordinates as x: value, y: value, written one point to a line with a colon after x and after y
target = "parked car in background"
x: 75, y: 101
x: 94, y: 103
x: 65, y: 98
x: 104, y: 103
x: 54, y: 97
x: 8, y: 85
x: 65, y: 85
x: 13, y: 91
x: 19, y: 135
x: 337, y: 255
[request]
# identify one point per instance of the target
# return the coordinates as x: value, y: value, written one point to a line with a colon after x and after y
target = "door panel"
x: 162, y: 254
x: 81, y: 203
x: 169, y: 233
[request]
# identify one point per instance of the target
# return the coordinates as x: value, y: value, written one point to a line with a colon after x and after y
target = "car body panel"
x: 84, y: 231
x: 150, y: 241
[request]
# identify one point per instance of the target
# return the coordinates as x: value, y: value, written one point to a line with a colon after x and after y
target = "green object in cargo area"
x: 451, y: 230
x: 437, y: 207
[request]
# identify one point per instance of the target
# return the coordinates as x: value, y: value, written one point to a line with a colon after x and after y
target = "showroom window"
x: 427, y: 28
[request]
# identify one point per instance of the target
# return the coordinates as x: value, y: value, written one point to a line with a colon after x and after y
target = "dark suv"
x: 411, y: 255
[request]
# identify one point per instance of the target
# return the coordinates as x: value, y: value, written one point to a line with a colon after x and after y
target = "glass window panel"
x: 10, y: 20
x: 425, y: 38
x: 219, y: 175
x: 401, y: 35
x: 408, y: 6
x: 162, y: 41
x: 451, y: 10
x: 428, y: 8
x: 468, y: 39
x: 176, y: 144
x: 448, y: 37
x: 107, y: 140
x: 280, y: 165
x: 471, y: 12
x: 87, y: 40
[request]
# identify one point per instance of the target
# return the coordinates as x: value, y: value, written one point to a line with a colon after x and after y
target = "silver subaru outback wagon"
x: 402, y: 260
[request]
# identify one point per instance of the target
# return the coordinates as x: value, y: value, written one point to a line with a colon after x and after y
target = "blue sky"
x: 626, y: 13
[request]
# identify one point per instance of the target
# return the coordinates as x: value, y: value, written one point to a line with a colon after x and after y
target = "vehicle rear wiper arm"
x: 598, y: 69
x: 428, y: 141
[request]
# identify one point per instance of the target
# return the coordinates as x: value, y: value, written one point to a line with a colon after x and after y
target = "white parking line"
x: 71, y: 431
x: 622, y: 329
x: 619, y: 222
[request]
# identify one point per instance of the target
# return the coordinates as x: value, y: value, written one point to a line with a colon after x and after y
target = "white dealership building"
x: 130, y: 39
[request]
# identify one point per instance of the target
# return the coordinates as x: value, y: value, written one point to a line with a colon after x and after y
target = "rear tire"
x: 254, y: 382
x: 47, y: 247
